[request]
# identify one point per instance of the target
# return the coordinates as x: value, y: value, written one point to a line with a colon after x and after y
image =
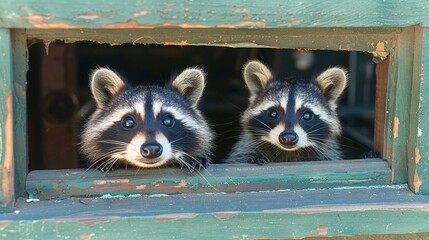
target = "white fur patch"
x: 298, y: 102
x: 189, y: 122
x: 303, y: 139
x: 273, y: 136
x: 283, y: 103
x: 139, y: 109
x: 157, y: 107
x: 110, y: 120
x: 255, y: 111
x: 134, y: 156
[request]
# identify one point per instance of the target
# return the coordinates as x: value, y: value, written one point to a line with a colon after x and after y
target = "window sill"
x: 278, y: 214
x: 226, y: 178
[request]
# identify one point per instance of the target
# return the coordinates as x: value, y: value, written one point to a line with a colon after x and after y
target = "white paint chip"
x: 420, y: 133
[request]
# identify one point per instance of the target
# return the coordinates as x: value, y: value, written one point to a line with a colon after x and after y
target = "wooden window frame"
x: 401, y: 130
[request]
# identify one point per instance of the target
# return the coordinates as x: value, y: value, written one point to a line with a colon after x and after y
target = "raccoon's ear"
x: 190, y: 83
x: 105, y: 84
x: 332, y: 82
x: 257, y: 76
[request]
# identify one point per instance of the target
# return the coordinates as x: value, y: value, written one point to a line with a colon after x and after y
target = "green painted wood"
x: 60, y: 184
x: 349, y: 39
x: 20, y: 67
x: 219, y: 14
x: 274, y: 214
x: 6, y: 127
x: 400, y: 95
x: 419, y: 137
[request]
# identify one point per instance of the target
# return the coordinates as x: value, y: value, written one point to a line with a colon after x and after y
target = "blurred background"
x: 59, y: 100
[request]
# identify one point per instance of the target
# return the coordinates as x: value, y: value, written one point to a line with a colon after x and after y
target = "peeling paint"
x: 7, y: 172
x: 182, y: 184
x: 168, y: 217
x: 418, y: 206
x: 417, y: 155
x: 294, y: 22
x: 240, y: 10
x: 242, y: 24
x: 86, y: 236
x: 140, y: 13
x: 305, y: 49
x: 181, y: 43
x: 322, y: 230
x: 93, y: 221
x: 380, y: 52
x: 111, y: 181
x: 417, y: 182
x: 134, y: 24
x: 396, y: 127
x: 380, y: 47
x: 225, y: 215
x: 379, y: 55
x: 4, y: 224
x: 38, y: 21
x: 89, y: 16
x: 419, y: 132
x: 141, y: 187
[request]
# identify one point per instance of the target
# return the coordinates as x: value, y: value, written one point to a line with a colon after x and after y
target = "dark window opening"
x: 59, y: 98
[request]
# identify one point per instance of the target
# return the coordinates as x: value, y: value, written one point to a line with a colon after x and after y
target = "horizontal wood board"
x: 59, y: 184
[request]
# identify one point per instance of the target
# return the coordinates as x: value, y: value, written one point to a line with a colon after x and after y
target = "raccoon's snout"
x: 288, y: 138
x: 151, y: 150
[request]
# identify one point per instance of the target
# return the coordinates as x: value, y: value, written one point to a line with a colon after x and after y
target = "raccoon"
x: 289, y: 120
x: 147, y: 126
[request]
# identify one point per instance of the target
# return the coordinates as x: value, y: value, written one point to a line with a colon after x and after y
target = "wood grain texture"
x: 273, y: 214
x: 345, y: 39
x: 382, y: 74
x: 418, y: 166
x: 400, y: 95
x: 59, y: 184
x: 7, y: 197
x: 205, y: 14
x: 20, y: 67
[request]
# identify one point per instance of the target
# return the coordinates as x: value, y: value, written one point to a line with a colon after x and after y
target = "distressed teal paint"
x: 293, y: 214
x: 221, y: 13
x: 6, y: 185
x: 418, y: 173
x: 400, y: 96
x: 207, y: 226
x: 59, y: 184
x: 20, y: 66
x: 346, y: 39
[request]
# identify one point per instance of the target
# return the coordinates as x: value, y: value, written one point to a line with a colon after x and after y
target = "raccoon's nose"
x: 151, y: 150
x: 288, y: 138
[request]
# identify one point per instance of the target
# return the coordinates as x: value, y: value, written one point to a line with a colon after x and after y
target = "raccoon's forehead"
x: 144, y: 101
x: 286, y: 96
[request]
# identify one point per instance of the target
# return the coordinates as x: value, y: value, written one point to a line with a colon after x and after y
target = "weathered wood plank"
x: 418, y: 176
x: 218, y: 178
x: 20, y: 67
x: 205, y: 14
x: 275, y: 214
x: 7, y: 196
x: 57, y: 77
x: 379, y: 41
x: 400, y: 94
x: 382, y: 74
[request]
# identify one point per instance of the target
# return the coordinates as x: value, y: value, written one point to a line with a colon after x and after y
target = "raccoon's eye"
x: 273, y: 113
x: 168, y: 121
x: 128, y: 122
x: 307, y: 115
